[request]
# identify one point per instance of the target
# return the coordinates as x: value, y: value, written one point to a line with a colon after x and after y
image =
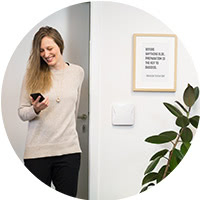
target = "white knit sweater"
x: 52, y: 132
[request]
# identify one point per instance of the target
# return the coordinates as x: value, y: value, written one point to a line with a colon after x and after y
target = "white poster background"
x: 155, y: 71
x: 18, y: 17
x: 155, y: 62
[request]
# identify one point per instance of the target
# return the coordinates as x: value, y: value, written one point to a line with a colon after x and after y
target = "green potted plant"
x: 180, y: 141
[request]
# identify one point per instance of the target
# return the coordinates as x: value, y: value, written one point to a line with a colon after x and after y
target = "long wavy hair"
x: 38, y: 74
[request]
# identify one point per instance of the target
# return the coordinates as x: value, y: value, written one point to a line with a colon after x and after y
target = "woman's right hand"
x: 39, y: 106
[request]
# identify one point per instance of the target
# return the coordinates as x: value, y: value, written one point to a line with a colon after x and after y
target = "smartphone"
x: 35, y: 96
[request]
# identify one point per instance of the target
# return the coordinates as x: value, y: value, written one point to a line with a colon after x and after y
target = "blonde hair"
x: 38, y: 74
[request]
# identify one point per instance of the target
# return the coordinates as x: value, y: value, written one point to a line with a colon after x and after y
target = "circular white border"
x: 18, y: 17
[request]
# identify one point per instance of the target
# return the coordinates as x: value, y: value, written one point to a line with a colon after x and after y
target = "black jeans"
x: 61, y: 170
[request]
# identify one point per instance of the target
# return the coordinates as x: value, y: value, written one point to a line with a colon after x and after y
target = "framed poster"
x: 155, y: 62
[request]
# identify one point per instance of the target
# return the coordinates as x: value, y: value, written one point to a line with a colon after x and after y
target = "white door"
x: 77, y: 52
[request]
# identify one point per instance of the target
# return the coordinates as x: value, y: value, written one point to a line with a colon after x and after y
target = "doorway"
x: 77, y: 52
x: 73, y: 23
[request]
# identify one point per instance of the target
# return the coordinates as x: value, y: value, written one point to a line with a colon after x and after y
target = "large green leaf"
x: 182, y: 121
x: 161, y: 173
x: 156, y: 139
x: 186, y: 135
x: 176, y: 158
x: 146, y: 187
x: 181, y: 106
x: 196, y: 92
x: 171, y: 135
x: 175, y: 111
x: 152, y: 165
x: 149, y: 177
x: 173, y: 162
x: 178, y: 154
x: 184, y: 147
x: 189, y: 96
x: 194, y: 121
x: 159, y: 154
x: 162, y: 138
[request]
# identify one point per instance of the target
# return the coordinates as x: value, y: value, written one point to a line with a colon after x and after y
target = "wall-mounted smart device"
x: 122, y: 114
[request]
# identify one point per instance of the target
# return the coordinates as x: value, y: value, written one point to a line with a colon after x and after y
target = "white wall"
x: 119, y: 155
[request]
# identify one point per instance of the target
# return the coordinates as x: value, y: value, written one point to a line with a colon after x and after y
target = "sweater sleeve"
x: 79, y: 92
x: 25, y: 111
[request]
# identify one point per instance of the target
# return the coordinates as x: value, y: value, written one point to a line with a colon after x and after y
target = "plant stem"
x: 171, y: 153
x: 174, y: 146
x: 188, y: 113
x: 166, y: 158
x: 172, y: 142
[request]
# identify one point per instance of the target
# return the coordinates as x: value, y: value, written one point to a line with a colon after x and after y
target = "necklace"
x: 58, y: 91
x: 58, y: 100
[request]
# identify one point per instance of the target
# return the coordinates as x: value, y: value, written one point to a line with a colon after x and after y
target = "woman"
x: 52, y: 150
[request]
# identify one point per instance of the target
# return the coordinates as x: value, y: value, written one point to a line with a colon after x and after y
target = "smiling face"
x: 50, y: 52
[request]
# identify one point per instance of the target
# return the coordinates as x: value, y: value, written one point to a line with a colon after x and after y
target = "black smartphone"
x: 35, y: 96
